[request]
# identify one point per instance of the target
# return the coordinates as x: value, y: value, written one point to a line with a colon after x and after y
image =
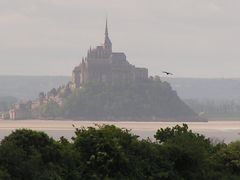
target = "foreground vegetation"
x: 107, y: 152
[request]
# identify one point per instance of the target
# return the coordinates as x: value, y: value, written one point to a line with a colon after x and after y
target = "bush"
x: 108, y: 152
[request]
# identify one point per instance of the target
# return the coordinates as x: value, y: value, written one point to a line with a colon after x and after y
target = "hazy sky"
x: 191, y: 38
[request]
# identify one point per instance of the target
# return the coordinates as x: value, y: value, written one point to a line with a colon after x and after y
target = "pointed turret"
x: 106, y: 29
x: 107, y: 42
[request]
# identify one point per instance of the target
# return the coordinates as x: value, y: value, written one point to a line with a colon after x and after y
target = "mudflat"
x: 220, y: 130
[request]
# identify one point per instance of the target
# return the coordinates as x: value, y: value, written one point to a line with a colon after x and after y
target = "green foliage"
x: 50, y: 110
x: 104, y: 151
x: 136, y: 100
x: 227, y: 160
x: 27, y: 154
x: 108, y: 152
x: 112, y: 153
x: 4, y: 175
x: 172, y: 134
x: 189, y: 151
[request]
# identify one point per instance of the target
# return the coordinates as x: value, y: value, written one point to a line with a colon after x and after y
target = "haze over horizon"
x: 189, y: 38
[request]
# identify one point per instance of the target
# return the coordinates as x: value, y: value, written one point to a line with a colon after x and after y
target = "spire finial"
x: 106, y: 28
x: 107, y: 42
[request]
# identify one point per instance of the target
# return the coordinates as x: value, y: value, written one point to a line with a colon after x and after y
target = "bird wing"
x: 167, y: 73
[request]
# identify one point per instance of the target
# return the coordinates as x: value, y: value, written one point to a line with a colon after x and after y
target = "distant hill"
x: 213, y: 98
x: 205, y: 89
x: 28, y: 87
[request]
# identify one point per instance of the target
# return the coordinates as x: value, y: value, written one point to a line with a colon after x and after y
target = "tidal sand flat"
x: 220, y: 130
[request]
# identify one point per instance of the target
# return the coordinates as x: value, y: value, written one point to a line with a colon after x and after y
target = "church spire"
x: 107, y: 42
x: 106, y: 29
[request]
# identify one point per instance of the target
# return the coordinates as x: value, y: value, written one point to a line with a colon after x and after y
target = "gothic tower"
x: 107, y: 41
x: 103, y: 65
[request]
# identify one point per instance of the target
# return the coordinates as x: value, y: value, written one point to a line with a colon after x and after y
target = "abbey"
x: 100, y: 65
x: 103, y: 65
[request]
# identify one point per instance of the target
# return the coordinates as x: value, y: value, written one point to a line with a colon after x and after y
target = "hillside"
x: 28, y: 87
x: 217, y: 98
x: 151, y: 100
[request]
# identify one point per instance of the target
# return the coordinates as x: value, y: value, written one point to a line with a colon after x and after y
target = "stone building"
x: 103, y: 65
x: 4, y: 115
x: 21, y: 111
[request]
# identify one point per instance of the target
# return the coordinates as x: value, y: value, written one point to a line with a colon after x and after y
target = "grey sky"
x: 192, y: 38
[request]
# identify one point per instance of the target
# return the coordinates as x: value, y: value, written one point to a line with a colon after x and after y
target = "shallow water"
x: 220, y: 130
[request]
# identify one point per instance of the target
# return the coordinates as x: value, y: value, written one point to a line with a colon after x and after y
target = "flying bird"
x: 167, y: 73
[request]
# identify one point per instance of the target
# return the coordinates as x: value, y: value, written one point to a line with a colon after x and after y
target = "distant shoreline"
x: 194, y: 119
x: 216, y: 130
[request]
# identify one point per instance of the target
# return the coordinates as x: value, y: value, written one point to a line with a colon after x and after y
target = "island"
x: 105, y: 86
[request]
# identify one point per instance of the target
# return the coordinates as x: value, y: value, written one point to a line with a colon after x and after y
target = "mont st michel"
x: 106, y: 86
x: 157, y: 97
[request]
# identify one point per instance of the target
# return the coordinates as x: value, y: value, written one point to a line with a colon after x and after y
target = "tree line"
x: 109, y: 152
x: 216, y: 108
